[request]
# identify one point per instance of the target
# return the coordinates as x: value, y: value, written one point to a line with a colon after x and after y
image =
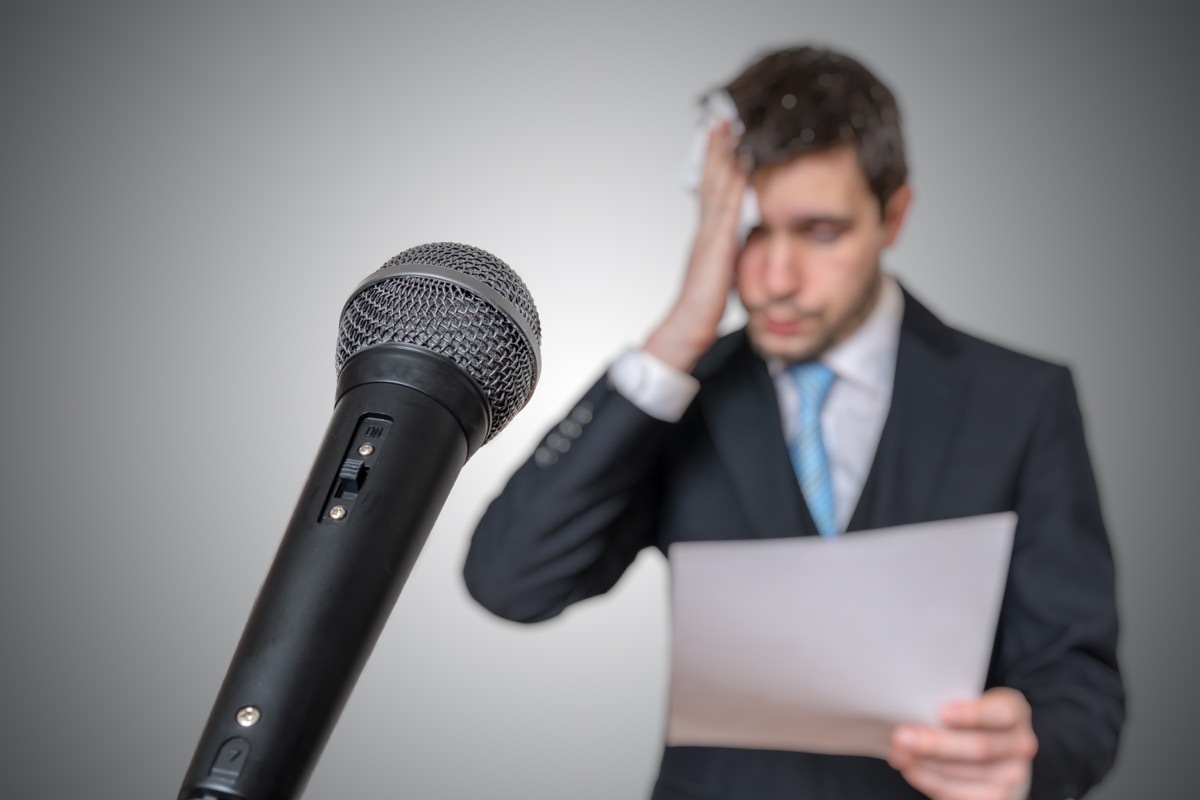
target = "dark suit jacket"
x: 973, y: 428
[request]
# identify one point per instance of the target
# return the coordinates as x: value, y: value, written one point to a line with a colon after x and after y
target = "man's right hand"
x: 690, y: 327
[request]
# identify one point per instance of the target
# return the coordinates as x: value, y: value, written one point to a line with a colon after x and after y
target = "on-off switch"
x: 363, y: 447
x: 350, y: 479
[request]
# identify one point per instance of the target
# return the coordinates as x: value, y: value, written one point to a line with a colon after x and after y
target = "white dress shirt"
x: 854, y: 413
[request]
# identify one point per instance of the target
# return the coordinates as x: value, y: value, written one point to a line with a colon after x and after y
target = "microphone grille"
x: 470, y: 307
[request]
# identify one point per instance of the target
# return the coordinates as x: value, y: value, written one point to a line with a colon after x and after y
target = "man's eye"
x: 825, y: 234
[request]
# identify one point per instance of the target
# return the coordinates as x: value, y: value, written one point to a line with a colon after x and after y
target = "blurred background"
x: 191, y: 191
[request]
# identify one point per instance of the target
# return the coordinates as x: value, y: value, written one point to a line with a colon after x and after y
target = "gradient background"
x: 191, y: 191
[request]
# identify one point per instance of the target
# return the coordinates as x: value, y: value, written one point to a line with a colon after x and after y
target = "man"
x: 908, y: 420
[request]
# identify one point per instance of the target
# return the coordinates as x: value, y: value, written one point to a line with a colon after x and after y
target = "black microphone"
x: 436, y: 352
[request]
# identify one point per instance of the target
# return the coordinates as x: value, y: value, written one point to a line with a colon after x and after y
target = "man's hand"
x: 984, y: 752
x: 690, y: 327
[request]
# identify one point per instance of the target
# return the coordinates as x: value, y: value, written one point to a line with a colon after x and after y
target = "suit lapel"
x: 929, y: 395
x: 741, y: 413
x: 928, y: 401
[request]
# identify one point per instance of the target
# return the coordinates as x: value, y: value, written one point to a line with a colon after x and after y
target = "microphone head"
x: 459, y: 302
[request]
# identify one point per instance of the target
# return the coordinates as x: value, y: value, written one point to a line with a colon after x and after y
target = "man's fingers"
x: 985, y: 753
x: 720, y: 162
x: 931, y: 779
x: 996, y: 709
x: 965, y: 770
x: 913, y: 742
x: 721, y: 194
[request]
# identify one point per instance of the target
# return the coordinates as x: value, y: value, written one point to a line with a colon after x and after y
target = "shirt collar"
x: 867, y: 357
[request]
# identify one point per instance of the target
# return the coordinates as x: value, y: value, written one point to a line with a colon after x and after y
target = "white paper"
x: 824, y: 645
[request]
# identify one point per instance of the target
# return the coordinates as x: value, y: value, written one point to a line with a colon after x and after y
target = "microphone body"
x: 333, y: 582
x: 405, y: 421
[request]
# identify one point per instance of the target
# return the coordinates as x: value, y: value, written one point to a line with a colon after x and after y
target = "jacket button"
x: 582, y: 413
x: 544, y: 457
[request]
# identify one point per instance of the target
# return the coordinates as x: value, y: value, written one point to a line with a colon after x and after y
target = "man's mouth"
x: 791, y: 325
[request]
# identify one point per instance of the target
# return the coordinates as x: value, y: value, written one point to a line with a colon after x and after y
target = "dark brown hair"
x: 807, y: 99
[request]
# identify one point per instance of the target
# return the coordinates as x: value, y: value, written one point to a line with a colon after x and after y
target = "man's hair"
x: 807, y: 99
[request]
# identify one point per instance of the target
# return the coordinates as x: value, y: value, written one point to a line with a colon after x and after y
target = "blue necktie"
x: 807, y: 447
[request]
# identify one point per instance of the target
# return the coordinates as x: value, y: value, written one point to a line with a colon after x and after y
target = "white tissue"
x: 719, y: 106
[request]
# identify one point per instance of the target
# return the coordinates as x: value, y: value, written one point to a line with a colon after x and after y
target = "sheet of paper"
x: 825, y: 645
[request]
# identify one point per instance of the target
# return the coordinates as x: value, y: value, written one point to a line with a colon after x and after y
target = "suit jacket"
x: 973, y: 428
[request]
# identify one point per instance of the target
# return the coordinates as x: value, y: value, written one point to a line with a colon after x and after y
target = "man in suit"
x: 696, y: 436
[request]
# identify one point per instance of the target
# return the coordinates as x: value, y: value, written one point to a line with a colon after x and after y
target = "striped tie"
x: 807, y: 447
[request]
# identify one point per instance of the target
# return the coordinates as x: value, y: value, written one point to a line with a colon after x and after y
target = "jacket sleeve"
x: 573, y: 517
x: 1057, y: 640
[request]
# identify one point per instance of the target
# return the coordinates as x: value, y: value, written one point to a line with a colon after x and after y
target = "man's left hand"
x: 984, y: 752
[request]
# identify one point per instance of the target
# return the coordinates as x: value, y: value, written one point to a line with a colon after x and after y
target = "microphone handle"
x: 389, y: 458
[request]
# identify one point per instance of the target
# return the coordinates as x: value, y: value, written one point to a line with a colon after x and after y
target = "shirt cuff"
x: 656, y: 388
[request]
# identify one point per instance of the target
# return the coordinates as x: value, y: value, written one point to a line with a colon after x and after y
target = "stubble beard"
x: 826, y: 335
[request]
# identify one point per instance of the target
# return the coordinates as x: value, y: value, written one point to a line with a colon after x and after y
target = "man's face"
x: 809, y: 274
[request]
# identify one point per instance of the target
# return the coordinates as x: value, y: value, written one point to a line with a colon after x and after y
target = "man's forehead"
x: 829, y: 177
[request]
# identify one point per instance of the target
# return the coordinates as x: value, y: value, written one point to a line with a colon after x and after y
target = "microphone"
x: 436, y: 352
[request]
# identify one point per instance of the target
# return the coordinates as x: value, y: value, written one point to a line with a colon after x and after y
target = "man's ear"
x: 894, y: 212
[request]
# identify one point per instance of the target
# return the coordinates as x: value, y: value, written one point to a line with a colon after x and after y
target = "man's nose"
x: 782, y: 273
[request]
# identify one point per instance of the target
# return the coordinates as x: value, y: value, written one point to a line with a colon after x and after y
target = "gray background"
x: 190, y: 192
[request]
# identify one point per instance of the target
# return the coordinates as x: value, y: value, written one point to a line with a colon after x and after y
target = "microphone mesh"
x: 452, y: 321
